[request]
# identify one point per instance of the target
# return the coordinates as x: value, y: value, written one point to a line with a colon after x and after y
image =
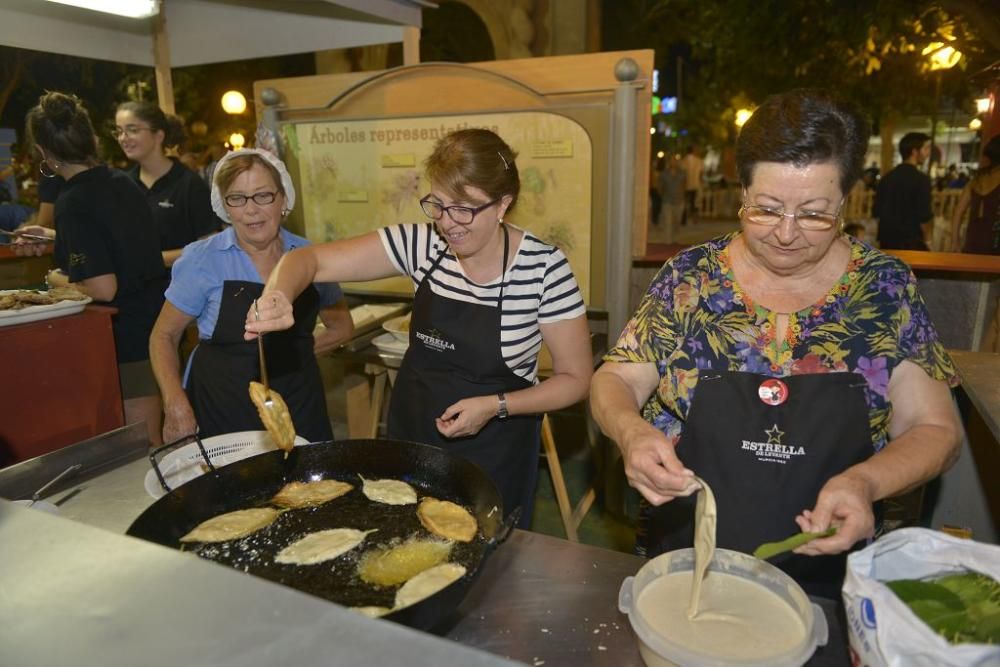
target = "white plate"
x: 184, y: 464
x: 389, y: 344
x: 40, y: 312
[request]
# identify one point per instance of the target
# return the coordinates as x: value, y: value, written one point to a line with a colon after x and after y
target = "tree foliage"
x: 740, y: 51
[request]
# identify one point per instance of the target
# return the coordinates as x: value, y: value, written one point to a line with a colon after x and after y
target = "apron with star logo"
x: 766, y: 446
x: 454, y: 353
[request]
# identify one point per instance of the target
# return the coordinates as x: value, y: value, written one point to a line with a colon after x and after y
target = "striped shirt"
x: 538, y: 287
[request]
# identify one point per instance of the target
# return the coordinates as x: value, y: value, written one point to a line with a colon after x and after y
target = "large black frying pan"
x: 253, y: 481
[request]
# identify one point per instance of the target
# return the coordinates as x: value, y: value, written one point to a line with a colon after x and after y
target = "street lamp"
x: 940, y: 57
x: 742, y: 116
x: 234, y: 103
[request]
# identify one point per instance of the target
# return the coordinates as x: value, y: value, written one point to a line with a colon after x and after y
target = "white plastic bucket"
x: 658, y: 650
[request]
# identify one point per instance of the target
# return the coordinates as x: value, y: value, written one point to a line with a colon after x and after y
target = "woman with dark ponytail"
x: 105, y: 243
x: 180, y: 199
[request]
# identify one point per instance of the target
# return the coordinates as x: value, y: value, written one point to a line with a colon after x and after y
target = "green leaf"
x: 771, y: 549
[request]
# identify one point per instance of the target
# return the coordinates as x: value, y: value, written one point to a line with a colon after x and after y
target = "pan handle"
x: 183, y: 440
x: 506, y: 527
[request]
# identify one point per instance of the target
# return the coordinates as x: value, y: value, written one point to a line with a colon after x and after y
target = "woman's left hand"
x: 845, y: 502
x: 467, y: 417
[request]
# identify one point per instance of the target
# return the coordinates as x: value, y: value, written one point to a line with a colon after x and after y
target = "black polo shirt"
x: 902, y: 204
x: 49, y: 189
x: 104, y: 226
x: 182, y: 206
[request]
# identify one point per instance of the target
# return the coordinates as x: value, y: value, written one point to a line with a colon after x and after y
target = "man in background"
x: 672, y: 185
x: 693, y: 165
x: 903, y: 198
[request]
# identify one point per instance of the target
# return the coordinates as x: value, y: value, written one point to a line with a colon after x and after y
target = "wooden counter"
x: 60, y: 383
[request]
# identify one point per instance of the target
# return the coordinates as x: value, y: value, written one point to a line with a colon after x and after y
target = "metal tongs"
x: 23, y: 235
x: 37, y: 495
x: 268, y: 403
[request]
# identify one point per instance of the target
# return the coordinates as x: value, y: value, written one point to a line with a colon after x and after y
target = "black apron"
x: 766, y: 446
x: 223, y: 366
x: 455, y: 353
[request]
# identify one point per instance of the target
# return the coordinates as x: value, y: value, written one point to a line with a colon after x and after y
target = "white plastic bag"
x: 882, y: 629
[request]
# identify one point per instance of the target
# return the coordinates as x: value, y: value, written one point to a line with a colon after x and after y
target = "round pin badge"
x: 773, y: 391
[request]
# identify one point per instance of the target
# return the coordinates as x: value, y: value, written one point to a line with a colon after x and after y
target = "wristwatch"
x: 502, y: 408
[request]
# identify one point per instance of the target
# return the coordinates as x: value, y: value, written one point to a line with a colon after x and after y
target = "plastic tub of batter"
x: 657, y: 645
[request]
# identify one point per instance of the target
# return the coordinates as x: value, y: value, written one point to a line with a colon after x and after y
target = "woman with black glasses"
x: 214, y: 282
x: 487, y: 295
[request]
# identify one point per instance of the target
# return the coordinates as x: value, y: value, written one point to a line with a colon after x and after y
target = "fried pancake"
x: 9, y: 302
x: 427, y: 583
x: 31, y: 298
x: 277, y: 420
x: 321, y: 546
x: 66, y: 294
x: 447, y: 520
x: 389, y: 491
x: 307, y: 494
x: 391, y: 566
x: 232, y: 525
x: 371, y: 612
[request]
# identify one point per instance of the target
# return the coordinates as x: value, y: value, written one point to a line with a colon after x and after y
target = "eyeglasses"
x: 462, y: 215
x: 814, y: 221
x: 259, y: 198
x: 129, y: 131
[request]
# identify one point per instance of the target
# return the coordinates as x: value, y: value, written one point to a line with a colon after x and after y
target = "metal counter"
x: 538, y: 599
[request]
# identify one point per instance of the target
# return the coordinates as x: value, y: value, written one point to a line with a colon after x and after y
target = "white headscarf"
x: 219, y: 206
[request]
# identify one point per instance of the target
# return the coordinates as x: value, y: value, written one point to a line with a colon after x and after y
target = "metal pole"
x: 271, y: 99
x: 621, y: 196
x: 934, y: 112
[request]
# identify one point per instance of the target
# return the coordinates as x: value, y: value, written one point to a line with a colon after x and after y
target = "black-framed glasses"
x: 461, y: 215
x: 129, y: 131
x: 259, y: 198
x: 814, y: 221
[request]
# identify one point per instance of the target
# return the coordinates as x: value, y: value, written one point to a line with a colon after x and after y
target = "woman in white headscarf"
x: 215, y: 282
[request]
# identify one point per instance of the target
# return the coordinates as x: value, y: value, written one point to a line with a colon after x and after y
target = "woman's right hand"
x: 23, y: 247
x: 271, y: 312
x: 178, y: 420
x: 652, y: 466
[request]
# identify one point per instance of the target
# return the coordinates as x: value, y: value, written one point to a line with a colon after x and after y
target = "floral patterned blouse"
x: 695, y: 316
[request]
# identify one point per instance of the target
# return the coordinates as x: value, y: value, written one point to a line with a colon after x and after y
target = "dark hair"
x: 912, y: 141
x: 227, y: 172
x: 474, y: 158
x: 992, y: 151
x: 60, y: 124
x: 802, y: 127
x: 171, y: 126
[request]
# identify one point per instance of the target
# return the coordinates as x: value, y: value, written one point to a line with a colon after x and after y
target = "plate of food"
x: 23, y: 306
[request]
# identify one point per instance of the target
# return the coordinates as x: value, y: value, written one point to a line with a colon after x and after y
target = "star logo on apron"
x: 774, y: 435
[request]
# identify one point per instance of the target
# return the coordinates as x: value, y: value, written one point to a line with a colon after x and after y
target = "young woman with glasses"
x: 178, y: 197
x: 788, y: 365
x: 487, y: 295
x: 106, y: 243
x: 214, y: 282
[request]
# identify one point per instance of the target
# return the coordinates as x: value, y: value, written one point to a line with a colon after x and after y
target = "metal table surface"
x: 537, y: 600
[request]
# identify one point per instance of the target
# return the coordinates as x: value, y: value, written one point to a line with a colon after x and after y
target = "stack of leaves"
x: 962, y: 608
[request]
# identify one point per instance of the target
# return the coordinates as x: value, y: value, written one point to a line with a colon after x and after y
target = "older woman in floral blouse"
x: 791, y: 367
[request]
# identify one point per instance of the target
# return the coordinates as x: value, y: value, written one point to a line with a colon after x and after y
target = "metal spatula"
x: 268, y: 403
